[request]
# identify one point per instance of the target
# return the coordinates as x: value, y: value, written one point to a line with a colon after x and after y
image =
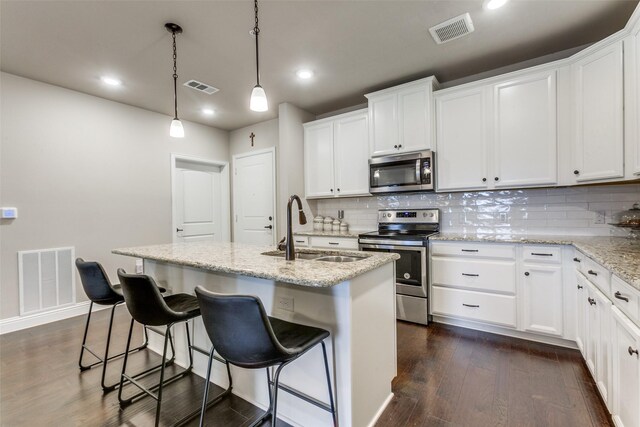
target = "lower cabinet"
x: 344, y: 243
x: 582, y: 308
x: 625, y: 340
x: 542, y: 299
x: 598, y: 341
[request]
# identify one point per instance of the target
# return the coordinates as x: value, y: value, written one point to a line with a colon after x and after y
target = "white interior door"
x: 254, y: 189
x: 199, y: 201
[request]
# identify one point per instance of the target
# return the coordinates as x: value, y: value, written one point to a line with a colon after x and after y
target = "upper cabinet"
x: 496, y: 135
x: 400, y: 118
x: 598, y: 148
x: 336, y: 156
x: 632, y: 101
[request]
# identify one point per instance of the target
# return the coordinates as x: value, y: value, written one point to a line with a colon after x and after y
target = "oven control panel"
x: 429, y: 216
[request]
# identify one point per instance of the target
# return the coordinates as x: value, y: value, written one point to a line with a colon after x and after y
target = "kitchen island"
x: 355, y: 301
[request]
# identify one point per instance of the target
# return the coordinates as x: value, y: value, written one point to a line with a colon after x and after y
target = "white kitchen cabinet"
x: 525, y: 134
x: 400, y: 118
x: 625, y: 370
x: 598, y: 114
x: 462, y: 140
x: 542, y: 299
x: 336, y: 155
x: 599, y: 340
x: 581, y: 313
x: 345, y: 243
x: 632, y: 102
x: 500, y: 134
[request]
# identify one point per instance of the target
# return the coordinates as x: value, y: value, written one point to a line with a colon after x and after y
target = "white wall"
x: 85, y: 172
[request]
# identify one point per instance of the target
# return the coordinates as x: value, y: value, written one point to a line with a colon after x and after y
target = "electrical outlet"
x: 139, y: 266
x: 600, y: 217
x: 285, y: 303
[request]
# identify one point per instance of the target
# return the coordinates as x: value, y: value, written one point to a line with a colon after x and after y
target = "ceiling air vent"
x: 452, y: 29
x: 202, y: 87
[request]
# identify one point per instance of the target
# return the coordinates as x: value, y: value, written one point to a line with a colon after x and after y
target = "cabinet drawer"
x: 551, y: 254
x: 334, y: 242
x: 474, y: 250
x: 597, y: 274
x: 301, y: 241
x: 625, y: 298
x: 479, y: 306
x: 487, y: 275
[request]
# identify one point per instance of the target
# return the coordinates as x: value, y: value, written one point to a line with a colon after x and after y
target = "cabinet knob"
x: 395, y: 146
x: 526, y: 273
x: 577, y: 259
x: 484, y: 179
x: 580, y: 286
x: 338, y: 190
x: 632, y: 351
x: 399, y: 145
x: 576, y: 172
x: 593, y: 273
x: 496, y: 179
x: 331, y: 190
x: 591, y: 301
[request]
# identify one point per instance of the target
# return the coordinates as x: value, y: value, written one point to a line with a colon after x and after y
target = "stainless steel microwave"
x: 402, y: 172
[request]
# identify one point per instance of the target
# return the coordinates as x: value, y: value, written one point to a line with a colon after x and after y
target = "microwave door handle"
x: 418, y: 172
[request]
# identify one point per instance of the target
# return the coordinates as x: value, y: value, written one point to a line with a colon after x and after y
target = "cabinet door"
x: 318, y: 160
x: 543, y: 299
x: 581, y: 312
x: 598, y: 101
x: 461, y: 139
x: 525, y: 133
x: 625, y: 370
x: 351, y: 149
x: 383, y: 125
x: 592, y: 329
x: 599, y: 339
x: 414, y: 119
x: 632, y: 101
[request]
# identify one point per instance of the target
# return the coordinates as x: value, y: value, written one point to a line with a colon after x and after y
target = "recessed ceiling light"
x: 111, y: 81
x: 208, y: 111
x: 304, y: 74
x: 494, y: 4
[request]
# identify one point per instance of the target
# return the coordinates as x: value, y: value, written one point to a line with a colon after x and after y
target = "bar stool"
x: 149, y: 307
x: 243, y: 334
x: 100, y: 291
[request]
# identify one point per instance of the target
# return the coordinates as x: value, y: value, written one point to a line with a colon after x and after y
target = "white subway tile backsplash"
x: 548, y: 211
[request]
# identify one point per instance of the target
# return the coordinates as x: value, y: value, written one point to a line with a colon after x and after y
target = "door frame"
x: 234, y: 159
x: 225, y: 220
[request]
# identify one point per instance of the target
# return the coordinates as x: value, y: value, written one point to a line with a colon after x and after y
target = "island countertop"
x: 247, y: 260
x: 618, y: 254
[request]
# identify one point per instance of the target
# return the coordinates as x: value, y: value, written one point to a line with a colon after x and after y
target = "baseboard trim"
x: 561, y: 342
x: 378, y: 414
x: 18, y: 323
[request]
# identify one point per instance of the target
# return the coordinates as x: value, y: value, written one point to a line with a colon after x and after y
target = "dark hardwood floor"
x: 446, y: 377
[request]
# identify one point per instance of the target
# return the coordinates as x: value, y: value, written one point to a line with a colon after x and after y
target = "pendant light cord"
x: 256, y: 31
x: 175, y: 77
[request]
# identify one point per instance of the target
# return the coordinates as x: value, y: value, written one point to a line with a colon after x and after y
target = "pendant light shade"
x: 258, y: 100
x: 176, y: 130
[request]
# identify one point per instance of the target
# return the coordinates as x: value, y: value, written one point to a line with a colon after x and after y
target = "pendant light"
x: 176, y: 130
x: 258, y: 96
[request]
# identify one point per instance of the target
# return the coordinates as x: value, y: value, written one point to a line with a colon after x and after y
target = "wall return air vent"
x: 452, y: 29
x: 202, y: 87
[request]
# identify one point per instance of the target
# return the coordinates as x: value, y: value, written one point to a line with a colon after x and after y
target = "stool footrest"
x: 320, y: 404
x: 149, y: 391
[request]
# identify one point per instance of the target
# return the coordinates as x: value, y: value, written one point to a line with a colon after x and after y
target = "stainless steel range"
x: 406, y: 233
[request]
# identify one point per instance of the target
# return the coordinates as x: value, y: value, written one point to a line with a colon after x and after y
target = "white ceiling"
x: 354, y: 47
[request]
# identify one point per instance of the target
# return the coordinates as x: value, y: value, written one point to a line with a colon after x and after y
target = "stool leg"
x: 105, y: 388
x: 326, y: 369
x: 84, y: 339
x: 206, y: 388
x: 189, y: 347
x: 124, y: 364
x: 274, y: 403
x: 164, y: 361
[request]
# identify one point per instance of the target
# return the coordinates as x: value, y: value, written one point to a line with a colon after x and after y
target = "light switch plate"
x: 285, y: 303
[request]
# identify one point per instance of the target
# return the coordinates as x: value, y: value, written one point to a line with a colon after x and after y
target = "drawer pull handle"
x: 580, y: 286
x: 632, y: 351
x: 299, y: 241
x: 540, y: 254
x: 470, y: 275
x: 469, y: 250
x: 471, y: 305
x: 619, y: 296
x: 577, y: 260
x: 591, y: 301
x: 593, y: 273
x: 334, y: 243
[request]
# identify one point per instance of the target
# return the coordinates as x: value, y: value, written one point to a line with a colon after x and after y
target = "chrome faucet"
x: 290, y: 252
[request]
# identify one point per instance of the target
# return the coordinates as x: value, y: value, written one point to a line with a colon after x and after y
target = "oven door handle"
x: 375, y: 244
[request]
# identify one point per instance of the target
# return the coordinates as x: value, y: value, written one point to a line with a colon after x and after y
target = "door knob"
x: 268, y: 226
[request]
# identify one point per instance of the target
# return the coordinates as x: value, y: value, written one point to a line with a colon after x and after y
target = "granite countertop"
x: 349, y: 234
x: 247, y: 260
x: 618, y: 254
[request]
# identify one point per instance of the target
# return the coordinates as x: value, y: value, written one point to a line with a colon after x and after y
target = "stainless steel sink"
x: 339, y: 258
